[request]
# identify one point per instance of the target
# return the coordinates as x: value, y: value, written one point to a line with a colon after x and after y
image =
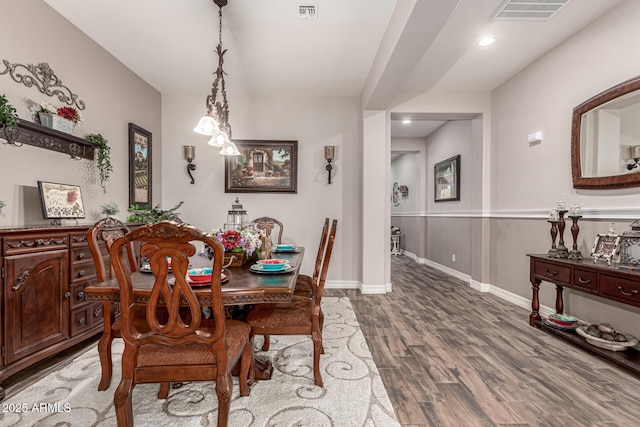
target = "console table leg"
x: 559, y: 299
x: 535, y: 304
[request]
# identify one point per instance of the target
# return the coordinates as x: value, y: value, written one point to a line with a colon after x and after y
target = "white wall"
x: 405, y: 170
x: 314, y: 123
x: 542, y: 97
x: 114, y: 96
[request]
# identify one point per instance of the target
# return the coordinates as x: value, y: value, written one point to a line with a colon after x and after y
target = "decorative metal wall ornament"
x: 44, y: 79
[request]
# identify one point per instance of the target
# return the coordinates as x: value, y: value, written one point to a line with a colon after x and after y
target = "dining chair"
x: 172, y: 341
x: 306, y: 286
x: 107, y: 230
x: 303, y: 316
x: 267, y: 225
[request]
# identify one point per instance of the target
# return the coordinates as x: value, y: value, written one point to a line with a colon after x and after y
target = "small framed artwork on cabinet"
x: 605, y: 246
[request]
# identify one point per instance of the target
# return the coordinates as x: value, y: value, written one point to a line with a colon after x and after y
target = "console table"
x: 612, y: 283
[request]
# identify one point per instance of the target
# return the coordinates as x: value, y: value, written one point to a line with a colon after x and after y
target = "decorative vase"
x: 237, y: 259
x: 56, y: 122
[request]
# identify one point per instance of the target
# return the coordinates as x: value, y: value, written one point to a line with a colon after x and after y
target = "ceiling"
x: 419, y: 45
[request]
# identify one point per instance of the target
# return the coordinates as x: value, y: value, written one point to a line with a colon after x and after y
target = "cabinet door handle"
x: 549, y: 272
x: 584, y: 281
x: 629, y: 294
x: 67, y: 295
x: 21, y: 279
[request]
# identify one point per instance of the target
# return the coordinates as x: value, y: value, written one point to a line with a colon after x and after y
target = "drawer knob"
x: 80, y: 294
x: 67, y: 295
x: 81, y: 255
x: 584, y: 281
x: 81, y: 273
x: 549, y: 272
x: 39, y: 242
x: 81, y: 320
x: 629, y: 294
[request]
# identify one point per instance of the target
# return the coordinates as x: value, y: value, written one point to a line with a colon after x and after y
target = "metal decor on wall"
x: 44, y: 79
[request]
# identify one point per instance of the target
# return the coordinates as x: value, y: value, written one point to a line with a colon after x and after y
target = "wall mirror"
x: 605, y: 139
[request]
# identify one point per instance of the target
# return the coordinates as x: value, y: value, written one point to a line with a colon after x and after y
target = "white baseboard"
x: 375, y: 289
x: 342, y: 284
x: 450, y: 271
x: 479, y: 286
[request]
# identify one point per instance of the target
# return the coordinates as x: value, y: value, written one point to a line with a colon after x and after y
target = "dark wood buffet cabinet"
x: 42, y: 304
x: 603, y: 281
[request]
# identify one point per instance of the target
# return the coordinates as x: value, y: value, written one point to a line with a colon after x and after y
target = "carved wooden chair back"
x: 172, y: 342
x: 108, y: 230
x: 267, y: 225
x: 303, y: 316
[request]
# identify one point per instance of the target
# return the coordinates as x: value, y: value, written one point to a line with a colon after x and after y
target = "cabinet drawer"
x: 78, y: 297
x: 621, y: 288
x: 96, y: 314
x: 80, y: 272
x: 555, y: 273
x: 80, y: 320
x: 19, y: 244
x: 81, y: 254
x: 584, y: 279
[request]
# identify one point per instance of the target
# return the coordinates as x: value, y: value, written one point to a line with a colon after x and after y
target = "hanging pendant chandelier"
x: 215, y: 122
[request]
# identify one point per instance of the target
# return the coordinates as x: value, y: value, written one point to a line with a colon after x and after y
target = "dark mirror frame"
x: 602, y: 182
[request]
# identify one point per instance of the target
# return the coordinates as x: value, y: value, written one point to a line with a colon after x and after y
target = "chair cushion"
x: 195, y: 353
x: 304, y: 286
x: 275, y: 316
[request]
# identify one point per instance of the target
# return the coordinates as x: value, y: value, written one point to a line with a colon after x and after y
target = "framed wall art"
x: 262, y: 167
x: 446, y: 178
x: 605, y: 246
x: 139, y: 166
x: 60, y: 200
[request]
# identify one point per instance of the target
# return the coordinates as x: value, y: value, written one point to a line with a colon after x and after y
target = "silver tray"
x: 607, y: 345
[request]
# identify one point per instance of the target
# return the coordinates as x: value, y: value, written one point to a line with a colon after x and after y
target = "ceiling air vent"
x: 534, y: 10
x: 308, y: 11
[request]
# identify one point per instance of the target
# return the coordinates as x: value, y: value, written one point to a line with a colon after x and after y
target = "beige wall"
x: 114, y: 96
x: 314, y: 123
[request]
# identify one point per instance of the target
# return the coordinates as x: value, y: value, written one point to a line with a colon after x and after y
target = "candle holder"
x: 563, y: 252
x: 553, y: 252
x: 575, y: 229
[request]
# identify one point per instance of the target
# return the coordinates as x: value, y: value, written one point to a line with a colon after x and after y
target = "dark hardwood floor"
x: 452, y: 356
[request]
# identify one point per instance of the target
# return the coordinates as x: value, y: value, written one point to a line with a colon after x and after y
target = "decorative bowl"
x: 284, y: 247
x: 273, y: 264
x: 606, y: 344
x: 562, y: 319
x: 199, y: 274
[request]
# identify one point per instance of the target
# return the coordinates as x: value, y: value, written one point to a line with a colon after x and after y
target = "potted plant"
x: 103, y: 159
x: 109, y: 209
x: 64, y: 119
x: 152, y: 215
x: 8, y: 114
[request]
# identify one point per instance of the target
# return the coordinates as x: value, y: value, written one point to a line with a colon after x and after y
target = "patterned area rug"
x: 353, y: 393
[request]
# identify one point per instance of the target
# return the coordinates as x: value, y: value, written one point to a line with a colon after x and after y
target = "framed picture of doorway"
x: 446, y: 178
x: 262, y: 167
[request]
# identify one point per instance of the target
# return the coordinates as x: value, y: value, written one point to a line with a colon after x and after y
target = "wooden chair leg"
x: 122, y: 403
x: 317, y: 350
x: 265, y: 345
x: 104, y: 352
x: 223, y: 390
x: 246, y: 362
x: 163, y: 393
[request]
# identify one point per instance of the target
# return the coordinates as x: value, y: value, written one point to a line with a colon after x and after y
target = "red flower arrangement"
x: 70, y: 113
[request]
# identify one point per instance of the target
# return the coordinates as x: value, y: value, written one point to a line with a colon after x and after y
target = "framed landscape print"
x: 60, y: 200
x: 262, y: 167
x: 446, y: 176
x: 139, y: 166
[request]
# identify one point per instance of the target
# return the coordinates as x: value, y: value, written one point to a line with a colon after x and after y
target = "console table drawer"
x: 621, y: 288
x: 555, y: 273
x: 585, y: 279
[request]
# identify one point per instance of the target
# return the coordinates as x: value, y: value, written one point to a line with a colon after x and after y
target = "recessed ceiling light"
x: 406, y: 121
x: 487, y: 41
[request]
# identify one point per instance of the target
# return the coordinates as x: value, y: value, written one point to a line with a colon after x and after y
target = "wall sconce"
x: 329, y: 152
x: 634, y: 154
x: 190, y: 155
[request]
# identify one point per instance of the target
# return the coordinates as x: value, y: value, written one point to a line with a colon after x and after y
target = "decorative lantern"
x: 236, y: 217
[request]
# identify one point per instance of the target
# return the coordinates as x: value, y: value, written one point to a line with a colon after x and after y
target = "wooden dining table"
x: 242, y: 287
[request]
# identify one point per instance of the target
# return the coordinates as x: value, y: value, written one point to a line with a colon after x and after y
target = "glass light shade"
x: 207, y: 126
x: 229, y: 149
x: 219, y: 139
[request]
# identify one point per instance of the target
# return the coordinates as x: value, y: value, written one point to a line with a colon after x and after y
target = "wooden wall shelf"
x: 50, y: 139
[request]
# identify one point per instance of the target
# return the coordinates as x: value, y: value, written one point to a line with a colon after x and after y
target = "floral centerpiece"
x: 240, y: 244
x: 63, y: 118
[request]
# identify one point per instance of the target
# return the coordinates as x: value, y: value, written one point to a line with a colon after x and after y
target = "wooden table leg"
x: 535, y: 303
